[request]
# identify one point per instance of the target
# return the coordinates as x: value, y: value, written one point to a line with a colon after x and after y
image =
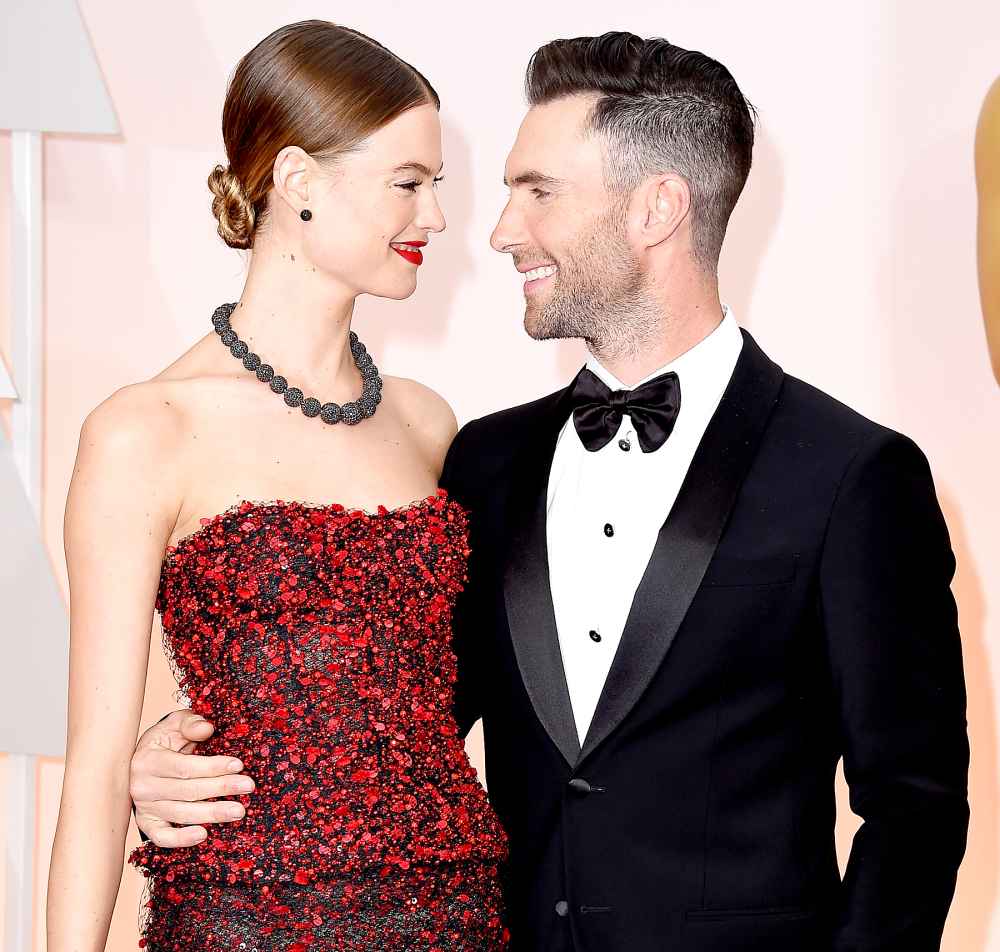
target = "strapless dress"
x: 317, y: 640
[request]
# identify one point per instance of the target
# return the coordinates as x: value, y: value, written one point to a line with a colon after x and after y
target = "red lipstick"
x: 414, y: 257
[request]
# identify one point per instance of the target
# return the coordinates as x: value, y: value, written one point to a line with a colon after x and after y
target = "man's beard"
x: 598, y: 295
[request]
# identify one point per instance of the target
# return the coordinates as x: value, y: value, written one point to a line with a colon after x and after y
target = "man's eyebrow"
x: 533, y: 177
x: 418, y: 167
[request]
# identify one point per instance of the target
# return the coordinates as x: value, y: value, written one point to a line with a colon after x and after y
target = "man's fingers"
x: 196, y: 728
x: 177, y: 731
x: 202, y: 788
x: 187, y: 813
x: 174, y: 765
x: 187, y: 726
x: 158, y: 774
x: 163, y: 834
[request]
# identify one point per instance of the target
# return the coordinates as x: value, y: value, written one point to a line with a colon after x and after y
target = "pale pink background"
x: 851, y: 258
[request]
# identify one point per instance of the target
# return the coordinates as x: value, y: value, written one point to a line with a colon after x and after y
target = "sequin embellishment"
x: 317, y: 641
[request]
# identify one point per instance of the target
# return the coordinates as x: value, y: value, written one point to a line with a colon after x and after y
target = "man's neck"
x: 680, y: 329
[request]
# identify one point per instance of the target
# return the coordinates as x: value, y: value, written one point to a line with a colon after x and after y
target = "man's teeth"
x: 406, y: 247
x: 537, y: 273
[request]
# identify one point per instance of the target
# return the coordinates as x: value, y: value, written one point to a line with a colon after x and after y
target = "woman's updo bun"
x: 232, y: 208
x: 313, y: 84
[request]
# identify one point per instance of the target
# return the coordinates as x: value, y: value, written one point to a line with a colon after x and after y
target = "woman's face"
x: 379, y: 200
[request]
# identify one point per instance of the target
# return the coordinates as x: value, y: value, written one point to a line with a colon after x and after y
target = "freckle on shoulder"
x: 424, y: 407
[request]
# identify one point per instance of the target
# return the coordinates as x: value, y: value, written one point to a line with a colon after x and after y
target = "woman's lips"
x: 414, y: 257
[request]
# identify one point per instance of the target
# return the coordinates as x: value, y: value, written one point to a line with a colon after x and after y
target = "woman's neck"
x: 298, y: 321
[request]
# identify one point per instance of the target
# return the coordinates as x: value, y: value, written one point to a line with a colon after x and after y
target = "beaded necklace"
x: 349, y: 413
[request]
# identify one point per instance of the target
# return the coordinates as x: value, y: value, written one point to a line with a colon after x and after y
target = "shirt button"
x: 562, y: 908
x: 609, y: 530
x: 595, y: 635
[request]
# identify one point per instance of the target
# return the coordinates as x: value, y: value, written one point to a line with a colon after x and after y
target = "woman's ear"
x: 291, y: 174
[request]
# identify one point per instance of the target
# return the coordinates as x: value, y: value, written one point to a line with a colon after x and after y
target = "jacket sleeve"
x: 468, y: 694
x: 896, y: 661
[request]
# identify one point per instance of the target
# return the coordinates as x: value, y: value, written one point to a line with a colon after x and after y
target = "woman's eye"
x: 412, y: 186
x: 540, y: 193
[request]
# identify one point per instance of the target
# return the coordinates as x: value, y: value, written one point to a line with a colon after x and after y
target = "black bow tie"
x: 598, y: 410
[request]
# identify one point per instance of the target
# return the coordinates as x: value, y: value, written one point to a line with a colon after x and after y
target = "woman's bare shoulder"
x: 424, y: 411
x: 138, y: 411
x: 127, y: 464
x: 175, y: 397
x: 137, y: 434
x: 419, y: 404
x: 148, y: 412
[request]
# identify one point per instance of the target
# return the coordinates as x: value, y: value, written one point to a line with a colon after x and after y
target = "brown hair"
x: 314, y: 84
x: 660, y: 108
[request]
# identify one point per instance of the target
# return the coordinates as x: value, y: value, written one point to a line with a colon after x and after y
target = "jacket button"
x: 562, y: 908
x: 579, y: 785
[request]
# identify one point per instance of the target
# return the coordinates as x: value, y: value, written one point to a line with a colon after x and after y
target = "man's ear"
x: 291, y: 175
x: 662, y: 204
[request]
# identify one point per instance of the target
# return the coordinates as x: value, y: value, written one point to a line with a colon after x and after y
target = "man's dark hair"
x: 662, y: 108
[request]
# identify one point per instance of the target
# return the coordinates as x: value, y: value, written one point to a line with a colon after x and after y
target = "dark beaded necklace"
x: 350, y: 413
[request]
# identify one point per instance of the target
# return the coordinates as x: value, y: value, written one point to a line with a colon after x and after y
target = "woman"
x: 301, y: 557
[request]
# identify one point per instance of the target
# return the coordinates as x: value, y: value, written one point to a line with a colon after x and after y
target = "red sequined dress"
x: 317, y: 640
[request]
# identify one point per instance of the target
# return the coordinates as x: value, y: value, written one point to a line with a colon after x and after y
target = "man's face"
x: 564, y: 230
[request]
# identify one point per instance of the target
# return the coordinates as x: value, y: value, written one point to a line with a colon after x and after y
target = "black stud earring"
x: 305, y: 214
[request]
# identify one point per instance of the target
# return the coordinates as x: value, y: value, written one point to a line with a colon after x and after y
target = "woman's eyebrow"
x: 417, y: 166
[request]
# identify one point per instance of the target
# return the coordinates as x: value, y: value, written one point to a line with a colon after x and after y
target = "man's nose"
x: 507, y: 230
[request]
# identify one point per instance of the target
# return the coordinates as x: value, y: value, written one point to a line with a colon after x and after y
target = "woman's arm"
x: 120, y: 512
x: 988, y: 184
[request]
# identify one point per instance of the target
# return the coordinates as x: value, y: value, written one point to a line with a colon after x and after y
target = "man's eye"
x: 540, y: 193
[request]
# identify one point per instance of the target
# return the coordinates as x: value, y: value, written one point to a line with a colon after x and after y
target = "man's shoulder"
x: 485, y: 448
x: 811, y: 416
x: 508, y: 426
x: 810, y: 402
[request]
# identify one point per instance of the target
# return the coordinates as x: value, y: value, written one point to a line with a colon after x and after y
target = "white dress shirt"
x: 606, y: 508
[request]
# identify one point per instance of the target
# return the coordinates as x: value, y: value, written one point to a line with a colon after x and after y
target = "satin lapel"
x: 527, y: 594
x: 688, y: 538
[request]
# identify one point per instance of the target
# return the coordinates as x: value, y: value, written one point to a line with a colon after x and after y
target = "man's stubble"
x: 600, y: 294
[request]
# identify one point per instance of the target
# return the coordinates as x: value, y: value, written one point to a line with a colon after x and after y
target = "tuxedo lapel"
x: 688, y: 538
x: 527, y: 594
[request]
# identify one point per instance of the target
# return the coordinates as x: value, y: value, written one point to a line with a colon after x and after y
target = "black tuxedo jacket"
x: 796, y: 609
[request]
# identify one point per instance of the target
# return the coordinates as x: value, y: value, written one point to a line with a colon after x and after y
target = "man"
x: 696, y: 581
